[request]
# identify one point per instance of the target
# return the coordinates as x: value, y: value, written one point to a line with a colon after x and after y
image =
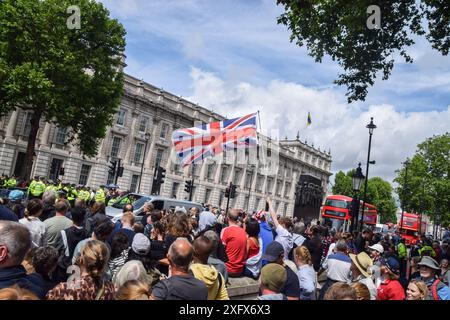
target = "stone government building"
x: 148, y: 109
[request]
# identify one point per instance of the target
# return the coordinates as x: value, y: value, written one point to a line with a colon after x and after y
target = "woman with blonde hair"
x: 417, y: 290
x: 362, y: 292
x: 16, y: 293
x: 133, y: 290
x: 87, y: 282
x: 306, y: 273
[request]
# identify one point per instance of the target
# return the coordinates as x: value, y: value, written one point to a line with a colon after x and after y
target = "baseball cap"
x: 141, y: 244
x: 273, y: 251
x: 378, y: 247
x: 273, y: 276
x: 392, y: 264
x: 15, y: 195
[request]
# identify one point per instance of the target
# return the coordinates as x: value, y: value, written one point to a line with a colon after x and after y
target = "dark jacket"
x: 7, y: 214
x: 129, y: 233
x: 94, y: 221
x: 315, y: 247
x: 18, y: 276
x: 43, y: 282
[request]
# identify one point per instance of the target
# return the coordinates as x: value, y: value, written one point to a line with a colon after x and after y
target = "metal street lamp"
x: 371, y: 126
x: 405, y: 187
x: 357, y: 179
x: 147, y: 138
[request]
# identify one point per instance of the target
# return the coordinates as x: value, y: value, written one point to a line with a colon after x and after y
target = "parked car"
x: 138, y: 200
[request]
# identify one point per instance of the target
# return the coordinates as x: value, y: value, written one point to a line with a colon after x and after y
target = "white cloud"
x: 335, y: 124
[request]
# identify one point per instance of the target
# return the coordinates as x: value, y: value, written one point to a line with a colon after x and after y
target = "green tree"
x: 379, y: 193
x: 343, y: 184
x: 427, y: 180
x: 70, y: 77
x: 338, y: 28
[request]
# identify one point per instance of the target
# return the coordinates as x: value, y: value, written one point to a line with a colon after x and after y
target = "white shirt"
x: 370, y: 285
x: 285, y: 238
x: 37, y: 230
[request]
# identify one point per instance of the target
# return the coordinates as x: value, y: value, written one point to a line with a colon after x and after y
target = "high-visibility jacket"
x: 84, y: 195
x: 31, y: 186
x: 51, y: 188
x: 37, y: 189
x: 11, y: 183
x: 72, y: 194
x: 401, y: 251
x: 125, y: 200
x: 112, y: 201
x: 100, y: 195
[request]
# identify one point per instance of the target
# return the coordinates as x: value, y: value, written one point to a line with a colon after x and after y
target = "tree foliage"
x: 379, y: 193
x: 427, y: 180
x: 70, y: 77
x: 338, y: 29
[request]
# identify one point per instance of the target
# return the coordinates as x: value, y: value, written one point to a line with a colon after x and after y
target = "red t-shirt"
x: 253, y: 249
x: 234, y: 239
x: 390, y: 290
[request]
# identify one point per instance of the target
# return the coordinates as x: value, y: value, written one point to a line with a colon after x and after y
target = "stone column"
x: 45, y: 134
x: 130, y: 138
x: 12, y: 124
x: 151, y: 150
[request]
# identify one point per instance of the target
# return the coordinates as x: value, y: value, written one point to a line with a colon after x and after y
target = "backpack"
x: 437, y: 284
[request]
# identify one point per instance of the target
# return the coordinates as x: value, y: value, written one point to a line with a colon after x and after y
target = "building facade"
x: 145, y: 122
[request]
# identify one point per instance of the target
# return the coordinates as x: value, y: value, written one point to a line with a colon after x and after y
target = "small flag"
x: 309, y: 118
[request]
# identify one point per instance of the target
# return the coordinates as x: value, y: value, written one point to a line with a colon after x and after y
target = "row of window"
x: 143, y: 123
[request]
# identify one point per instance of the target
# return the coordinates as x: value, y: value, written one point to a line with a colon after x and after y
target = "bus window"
x: 337, y: 203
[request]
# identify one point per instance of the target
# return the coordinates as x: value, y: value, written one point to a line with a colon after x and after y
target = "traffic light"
x: 161, y: 175
x: 112, y: 167
x: 120, y: 172
x: 227, y: 192
x: 233, y: 191
x: 188, y: 186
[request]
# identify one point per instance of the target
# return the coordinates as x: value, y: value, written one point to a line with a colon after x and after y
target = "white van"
x: 381, y: 228
x: 114, y: 212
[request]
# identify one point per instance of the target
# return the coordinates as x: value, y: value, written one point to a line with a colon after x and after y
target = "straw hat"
x: 363, y: 262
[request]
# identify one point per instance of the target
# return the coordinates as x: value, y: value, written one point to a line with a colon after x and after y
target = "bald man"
x: 209, y: 275
x: 180, y: 285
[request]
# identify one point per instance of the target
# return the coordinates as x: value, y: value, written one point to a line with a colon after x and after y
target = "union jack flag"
x: 192, y: 145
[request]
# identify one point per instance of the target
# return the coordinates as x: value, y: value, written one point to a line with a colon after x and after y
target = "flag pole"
x: 259, y: 120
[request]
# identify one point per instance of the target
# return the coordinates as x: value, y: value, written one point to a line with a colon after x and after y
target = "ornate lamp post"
x: 357, y: 179
x: 371, y: 126
x: 147, y: 138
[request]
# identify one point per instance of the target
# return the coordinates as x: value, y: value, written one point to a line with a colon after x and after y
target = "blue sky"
x: 231, y: 56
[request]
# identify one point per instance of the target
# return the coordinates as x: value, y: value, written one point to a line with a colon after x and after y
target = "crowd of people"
x: 54, y: 248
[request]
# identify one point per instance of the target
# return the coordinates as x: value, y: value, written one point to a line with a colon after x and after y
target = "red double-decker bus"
x: 370, y: 214
x: 338, y: 207
x: 409, y: 228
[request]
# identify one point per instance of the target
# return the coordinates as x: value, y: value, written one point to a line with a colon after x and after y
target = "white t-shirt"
x: 37, y: 230
x: 285, y: 238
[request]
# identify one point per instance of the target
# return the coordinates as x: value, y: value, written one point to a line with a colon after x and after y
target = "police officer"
x: 37, y: 188
x: 100, y: 195
x: 11, y: 182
